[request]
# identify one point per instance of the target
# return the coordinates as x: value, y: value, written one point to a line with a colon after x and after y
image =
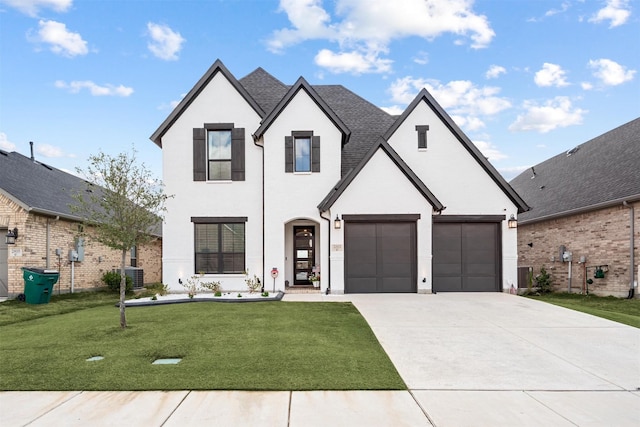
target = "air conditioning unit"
x: 136, y: 274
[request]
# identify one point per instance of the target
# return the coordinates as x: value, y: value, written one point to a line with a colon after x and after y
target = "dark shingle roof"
x: 603, y: 170
x: 365, y: 121
x: 37, y: 186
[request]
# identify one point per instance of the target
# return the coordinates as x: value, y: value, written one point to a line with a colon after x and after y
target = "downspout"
x: 328, y: 291
x: 47, y: 245
x: 255, y: 142
x: 632, y: 260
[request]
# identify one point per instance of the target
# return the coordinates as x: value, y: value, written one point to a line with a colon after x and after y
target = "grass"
x: 620, y: 310
x: 262, y: 346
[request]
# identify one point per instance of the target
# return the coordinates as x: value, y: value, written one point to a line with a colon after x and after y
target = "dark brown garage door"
x: 380, y: 257
x: 466, y: 257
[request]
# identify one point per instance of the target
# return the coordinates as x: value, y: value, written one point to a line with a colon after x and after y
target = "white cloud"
x: 586, y: 86
x: 616, y: 11
x: 551, y: 75
x: 563, y: 8
x: 512, y: 171
x: 460, y: 98
x: 494, y: 71
x: 554, y: 113
x: 49, y: 151
x: 394, y: 110
x: 610, y: 72
x: 32, y: 7
x: 352, y: 62
x: 5, y: 144
x: 61, y: 40
x: 94, y: 89
x: 165, y: 43
x: 367, y: 27
x: 421, y: 58
x: 490, y: 151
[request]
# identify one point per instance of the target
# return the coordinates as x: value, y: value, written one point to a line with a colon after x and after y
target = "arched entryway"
x: 302, y: 253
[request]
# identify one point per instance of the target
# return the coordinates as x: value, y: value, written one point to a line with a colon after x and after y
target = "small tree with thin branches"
x: 123, y: 204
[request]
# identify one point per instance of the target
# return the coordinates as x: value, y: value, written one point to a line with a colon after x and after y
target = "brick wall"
x: 31, y: 250
x: 602, y: 236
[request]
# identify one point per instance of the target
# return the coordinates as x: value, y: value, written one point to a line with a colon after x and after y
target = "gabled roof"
x: 299, y: 85
x: 37, y: 187
x: 217, y: 67
x: 366, y: 121
x: 383, y: 145
x: 425, y: 96
x: 601, y: 172
x: 44, y: 190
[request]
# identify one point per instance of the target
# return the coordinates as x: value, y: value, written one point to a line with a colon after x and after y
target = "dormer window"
x: 422, y: 136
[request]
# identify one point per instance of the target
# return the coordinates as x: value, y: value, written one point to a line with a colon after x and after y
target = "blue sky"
x: 525, y: 80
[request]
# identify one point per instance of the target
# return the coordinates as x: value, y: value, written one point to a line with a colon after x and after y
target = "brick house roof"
x: 601, y: 172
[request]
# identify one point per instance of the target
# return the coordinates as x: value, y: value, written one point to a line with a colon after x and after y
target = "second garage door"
x: 380, y: 257
x: 466, y: 257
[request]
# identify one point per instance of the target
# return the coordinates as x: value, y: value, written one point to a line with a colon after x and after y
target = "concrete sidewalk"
x: 468, y: 360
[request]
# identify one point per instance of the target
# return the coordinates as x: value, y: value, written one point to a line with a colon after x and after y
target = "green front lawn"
x: 617, y: 309
x: 261, y: 346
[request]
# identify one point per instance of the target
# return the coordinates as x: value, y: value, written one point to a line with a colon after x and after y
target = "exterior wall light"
x: 337, y: 223
x: 513, y: 222
x: 11, y: 237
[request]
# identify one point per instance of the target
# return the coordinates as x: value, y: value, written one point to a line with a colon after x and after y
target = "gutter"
x: 583, y: 209
x: 255, y: 142
x: 631, y: 258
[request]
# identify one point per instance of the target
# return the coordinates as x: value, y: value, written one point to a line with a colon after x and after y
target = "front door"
x: 303, y: 254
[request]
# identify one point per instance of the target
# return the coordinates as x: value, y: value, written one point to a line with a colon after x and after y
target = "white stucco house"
x: 315, y: 182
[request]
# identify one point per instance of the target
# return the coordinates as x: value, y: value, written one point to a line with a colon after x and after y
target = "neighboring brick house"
x: 587, y: 200
x: 35, y: 200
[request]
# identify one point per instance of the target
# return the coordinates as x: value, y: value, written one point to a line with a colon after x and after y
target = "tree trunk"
x: 123, y: 290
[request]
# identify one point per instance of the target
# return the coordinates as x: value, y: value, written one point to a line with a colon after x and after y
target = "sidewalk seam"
x: 55, y: 407
x: 424, y: 411
x: 176, y: 408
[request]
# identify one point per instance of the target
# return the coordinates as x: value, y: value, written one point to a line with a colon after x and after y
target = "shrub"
x: 112, y: 280
x: 214, y: 286
x: 543, y: 280
x: 253, y: 284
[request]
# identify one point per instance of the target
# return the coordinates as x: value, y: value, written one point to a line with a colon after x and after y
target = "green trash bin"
x: 38, y: 284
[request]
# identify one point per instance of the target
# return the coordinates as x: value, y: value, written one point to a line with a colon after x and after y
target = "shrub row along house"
x: 300, y: 182
x: 35, y: 201
x: 584, y: 222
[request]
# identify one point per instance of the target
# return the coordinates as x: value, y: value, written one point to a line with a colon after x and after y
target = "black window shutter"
x: 199, y: 155
x: 237, y: 154
x: 422, y: 135
x: 288, y: 154
x: 315, y: 154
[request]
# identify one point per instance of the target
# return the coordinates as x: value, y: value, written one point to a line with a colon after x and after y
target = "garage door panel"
x: 380, y: 257
x: 397, y: 284
x: 466, y: 257
x: 362, y: 285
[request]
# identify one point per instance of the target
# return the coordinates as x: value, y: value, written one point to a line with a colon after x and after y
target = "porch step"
x: 302, y: 290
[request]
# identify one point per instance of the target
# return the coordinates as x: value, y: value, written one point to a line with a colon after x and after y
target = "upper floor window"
x: 218, y: 153
x: 302, y: 152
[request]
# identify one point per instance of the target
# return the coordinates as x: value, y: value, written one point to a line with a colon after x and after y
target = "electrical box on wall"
x: 79, y: 244
x: 73, y: 255
x: 561, y: 251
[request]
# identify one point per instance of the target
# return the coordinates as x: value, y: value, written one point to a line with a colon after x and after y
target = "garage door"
x: 380, y: 257
x: 466, y: 257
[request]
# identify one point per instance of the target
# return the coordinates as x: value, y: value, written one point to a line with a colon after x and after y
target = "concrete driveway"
x: 499, y: 359
x: 468, y: 360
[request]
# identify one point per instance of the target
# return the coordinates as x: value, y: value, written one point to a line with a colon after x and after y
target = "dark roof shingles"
x: 603, y: 169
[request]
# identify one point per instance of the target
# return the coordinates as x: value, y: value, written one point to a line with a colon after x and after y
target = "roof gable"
x: 383, y: 145
x: 425, y: 96
x: 299, y: 85
x: 217, y: 67
x: 601, y: 172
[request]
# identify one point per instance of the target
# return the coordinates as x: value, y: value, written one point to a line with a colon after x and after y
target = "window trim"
x: 422, y: 136
x: 220, y: 221
x: 219, y: 127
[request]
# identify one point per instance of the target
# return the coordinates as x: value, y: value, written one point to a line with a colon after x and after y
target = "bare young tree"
x: 123, y: 204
